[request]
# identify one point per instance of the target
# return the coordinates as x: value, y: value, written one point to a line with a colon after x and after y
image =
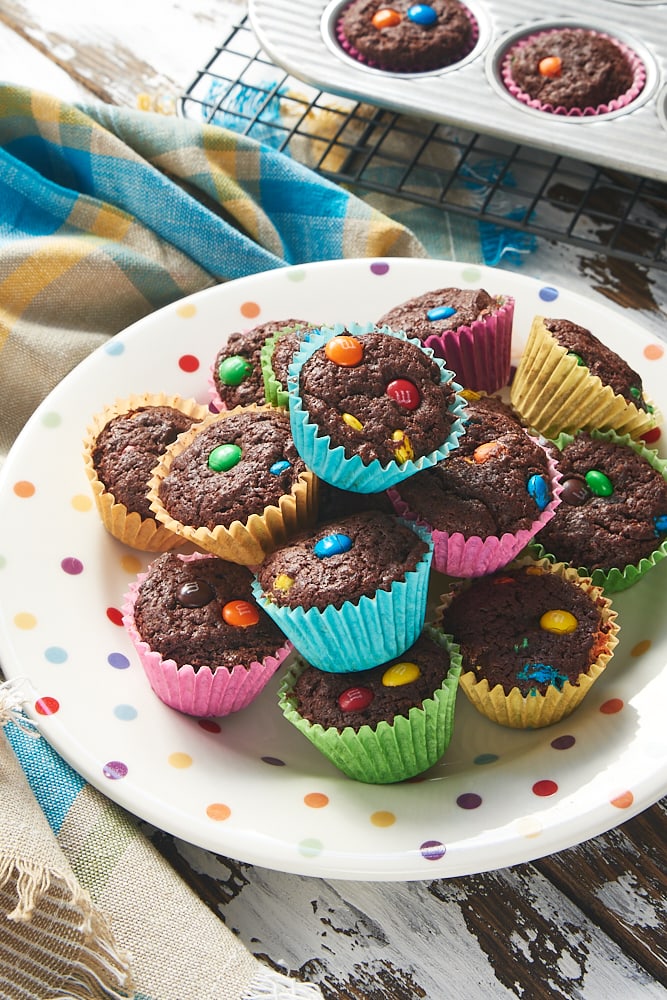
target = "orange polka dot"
x: 180, y: 760
x: 131, y: 564
x: 186, y: 311
x: 250, y: 310
x: 316, y: 800
x: 641, y: 648
x: 24, y: 489
x: 218, y: 811
x: 612, y: 706
x: 383, y: 818
x: 653, y: 351
x: 623, y: 801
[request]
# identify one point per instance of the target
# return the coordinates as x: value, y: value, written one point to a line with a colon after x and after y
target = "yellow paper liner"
x: 129, y: 527
x: 245, y: 542
x: 553, y: 393
x: 535, y: 710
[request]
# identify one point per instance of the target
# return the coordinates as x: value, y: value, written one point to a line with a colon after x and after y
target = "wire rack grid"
x: 512, y: 187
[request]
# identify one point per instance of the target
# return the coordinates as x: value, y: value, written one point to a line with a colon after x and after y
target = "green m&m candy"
x: 224, y: 457
x: 599, y: 484
x: 234, y: 369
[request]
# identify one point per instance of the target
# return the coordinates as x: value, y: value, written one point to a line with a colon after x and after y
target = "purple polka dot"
x: 469, y: 800
x: 275, y: 761
x: 379, y: 268
x: 432, y: 850
x: 114, y: 769
x: 72, y: 565
x: 118, y: 660
x: 548, y: 294
x: 563, y: 742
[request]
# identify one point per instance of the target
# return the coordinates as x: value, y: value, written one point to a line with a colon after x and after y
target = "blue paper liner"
x: 331, y: 463
x: 362, y: 634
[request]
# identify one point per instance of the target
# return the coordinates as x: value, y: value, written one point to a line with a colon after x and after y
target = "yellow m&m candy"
x: 399, y: 674
x: 560, y: 622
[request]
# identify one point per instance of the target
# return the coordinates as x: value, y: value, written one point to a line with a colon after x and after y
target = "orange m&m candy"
x: 550, y: 66
x: 240, y: 613
x: 385, y: 17
x: 345, y: 351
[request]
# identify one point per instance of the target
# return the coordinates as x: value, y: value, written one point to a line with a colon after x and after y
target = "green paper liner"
x: 389, y: 752
x: 616, y: 578
x: 275, y: 392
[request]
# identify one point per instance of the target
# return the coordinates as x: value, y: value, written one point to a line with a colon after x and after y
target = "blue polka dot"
x: 55, y: 654
x: 126, y: 713
x: 548, y: 294
x: 485, y: 758
x: 118, y: 660
x: 114, y: 347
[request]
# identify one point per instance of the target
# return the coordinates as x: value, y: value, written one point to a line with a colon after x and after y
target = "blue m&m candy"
x: 332, y: 545
x: 421, y: 13
x: 440, y: 312
x: 538, y: 489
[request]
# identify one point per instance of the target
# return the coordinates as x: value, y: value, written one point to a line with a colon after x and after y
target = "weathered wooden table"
x: 589, y: 922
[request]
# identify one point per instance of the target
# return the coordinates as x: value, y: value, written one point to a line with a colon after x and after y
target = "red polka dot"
x: 209, y: 725
x: 47, y: 705
x: 545, y: 787
x: 612, y: 706
x: 188, y: 363
x: 250, y: 310
x: 115, y: 616
x: 652, y: 436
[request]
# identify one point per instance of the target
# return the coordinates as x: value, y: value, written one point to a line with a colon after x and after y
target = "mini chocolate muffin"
x: 486, y: 500
x: 334, y: 502
x: 613, y: 512
x: 407, y: 37
x: 572, y: 69
x: 236, y: 376
x: 440, y: 309
x: 276, y: 356
x: 533, y: 638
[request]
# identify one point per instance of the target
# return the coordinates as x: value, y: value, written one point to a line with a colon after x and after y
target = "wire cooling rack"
x: 513, y: 187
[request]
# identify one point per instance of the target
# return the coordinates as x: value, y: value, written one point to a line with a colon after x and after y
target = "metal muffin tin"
x: 300, y: 36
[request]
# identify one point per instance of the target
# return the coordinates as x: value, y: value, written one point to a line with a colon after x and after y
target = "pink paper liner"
x: 354, y: 53
x: 479, y: 354
x: 203, y: 692
x: 455, y: 555
x: 216, y: 404
x: 621, y: 101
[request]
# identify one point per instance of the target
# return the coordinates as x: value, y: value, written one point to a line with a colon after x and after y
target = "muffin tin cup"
x: 389, y: 752
x: 553, y: 393
x: 458, y: 556
x: 617, y: 578
x: 331, y: 463
x: 516, y: 710
x: 205, y: 691
x: 363, y: 634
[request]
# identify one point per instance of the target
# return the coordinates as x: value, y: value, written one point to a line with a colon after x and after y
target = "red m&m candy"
x: 355, y: 699
x: 405, y: 393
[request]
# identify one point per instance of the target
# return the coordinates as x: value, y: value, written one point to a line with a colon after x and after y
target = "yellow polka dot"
x: 218, y: 811
x: 131, y: 564
x: 316, y: 800
x: 180, y: 760
x: 528, y: 827
x: 641, y: 648
x: 186, y: 310
x: 24, y: 620
x: 653, y: 351
x: 383, y: 818
x: 623, y: 801
x: 81, y: 502
x: 250, y: 310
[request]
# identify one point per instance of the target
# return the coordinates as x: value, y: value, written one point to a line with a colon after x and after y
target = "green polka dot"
x: 310, y: 848
x: 472, y: 274
x: 3, y: 561
x: 296, y: 276
x: 51, y: 420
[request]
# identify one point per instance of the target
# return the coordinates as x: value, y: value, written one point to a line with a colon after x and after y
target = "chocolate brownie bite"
x: 349, y: 593
x: 235, y: 486
x: 205, y: 645
x: 236, y: 375
x: 533, y: 638
x: 370, y: 407
x: 122, y: 446
x: 612, y: 521
x: 486, y: 500
x: 380, y: 725
x: 407, y: 37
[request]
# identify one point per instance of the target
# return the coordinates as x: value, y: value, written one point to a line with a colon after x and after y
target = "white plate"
x: 254, y: 789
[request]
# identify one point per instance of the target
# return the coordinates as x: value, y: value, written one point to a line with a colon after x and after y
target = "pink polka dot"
x: 469, y: 800
x: 209, y: 725
x: 188, y: 363
x: 612, y: 706
x: 115, y: 769
x: 432, y: 850
x: 379, y: 268
x: 47, y: 705
x: 545, y: 787
x: 115, y: 616
x: 72, y: 565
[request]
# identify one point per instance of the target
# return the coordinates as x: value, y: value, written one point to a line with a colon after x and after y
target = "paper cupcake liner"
x: 204, y: 691
x: 389, y: 752
x: 146, y: 534
x: 552, y: 393
x: 616, y: 578
x: 479, y: 354
x: 456, y: 555
x: 618, y: 102
x: 535, y: 710
x: 245, y: 542
x: 355, y: 54
x: 276, y: 393
x: 330, y: 463
x: 358, y: 635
